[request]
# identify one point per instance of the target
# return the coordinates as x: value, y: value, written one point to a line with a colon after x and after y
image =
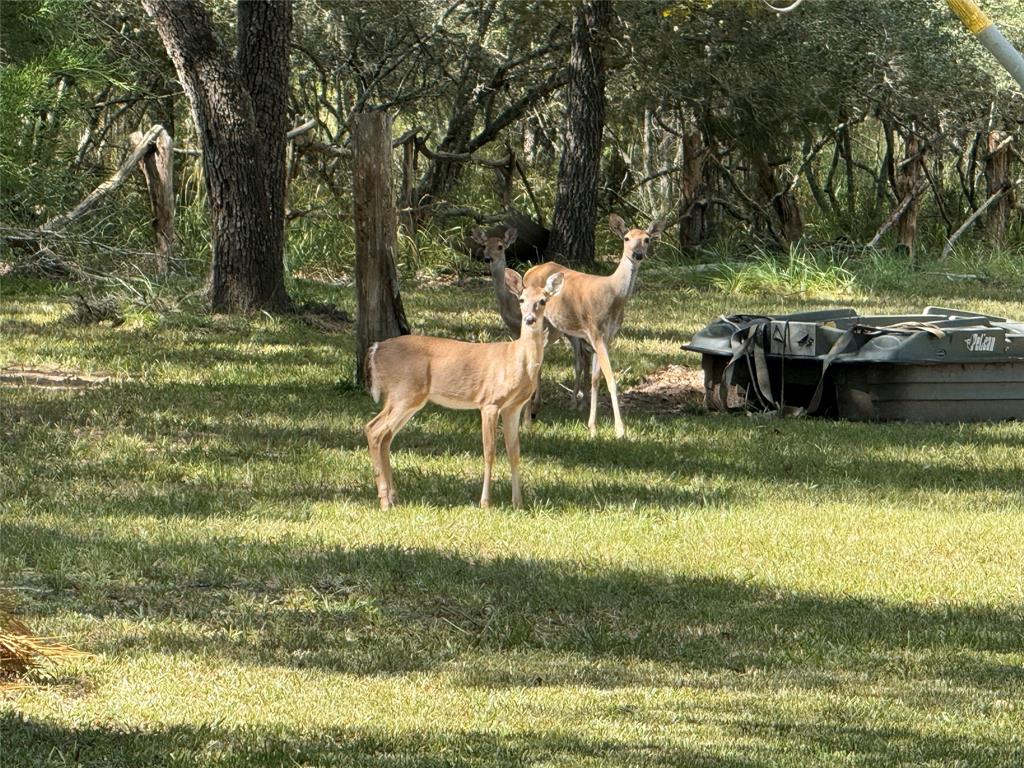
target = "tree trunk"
x: 248, y: 259
x: 783, y: 202
x: 851, y: 186
x: 409, y: 217
x: 692, y: 199
x: 380, y: 314
x: 157, y: 165
x: 264, y: 30
x: 575, y: 214
x: 908, y: 178
x: 997, y: 176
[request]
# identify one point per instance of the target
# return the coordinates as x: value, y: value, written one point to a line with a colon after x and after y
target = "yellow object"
x: 970, y: 14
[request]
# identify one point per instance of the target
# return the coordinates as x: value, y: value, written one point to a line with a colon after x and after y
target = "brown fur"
x: 496, y: 378
x: 591, y: 307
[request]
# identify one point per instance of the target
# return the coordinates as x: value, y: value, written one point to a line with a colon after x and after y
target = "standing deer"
x: 508, y: 284
x: 498, y: 378
x: 591, y: 307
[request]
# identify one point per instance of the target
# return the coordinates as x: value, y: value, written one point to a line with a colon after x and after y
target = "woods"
x: 856, y: 123
x: 274, y: 272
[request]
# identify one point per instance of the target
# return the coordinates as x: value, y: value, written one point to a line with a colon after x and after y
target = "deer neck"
x: 530, y: 347
x: 624, y: 276
x: 498, y: 278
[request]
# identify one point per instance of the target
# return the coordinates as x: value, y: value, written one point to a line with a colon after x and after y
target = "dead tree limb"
x: 120, y: 176
x: 157, y: 165
x: 994, y: 198
x: 897, y: 214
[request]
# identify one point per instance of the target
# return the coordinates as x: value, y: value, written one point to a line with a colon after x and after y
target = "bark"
x: 851, y: 187
x: 812, y: 176
x: 264, y: 29
x: 997, y: 177
x: 908, y: 182
x: 575, y: 214
x: 693, y: 198
x: 408, y: 185
x: 887, y: 173
x: 157, y: 165
x: 782, y: 201
x: 380, y: 312
x: 248, y: 258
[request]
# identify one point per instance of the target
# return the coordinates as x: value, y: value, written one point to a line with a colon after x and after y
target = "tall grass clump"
x: 796, y: 274
x: 435, y: 252
x: 1001, y: 265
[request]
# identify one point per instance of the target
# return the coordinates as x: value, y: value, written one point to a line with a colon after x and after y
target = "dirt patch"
x: 49, y: 378
x: 671, y: 389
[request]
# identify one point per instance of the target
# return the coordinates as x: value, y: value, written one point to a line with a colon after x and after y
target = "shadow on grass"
x: 232, y: 424
x: 38, y: 742
x: 377, y: 610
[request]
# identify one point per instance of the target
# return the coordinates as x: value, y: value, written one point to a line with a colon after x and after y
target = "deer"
x: 508, y: 284
x: 591, y: 307
x: 498, y: 378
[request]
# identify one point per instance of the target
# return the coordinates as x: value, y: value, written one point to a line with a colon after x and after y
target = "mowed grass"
x: 712, y: 591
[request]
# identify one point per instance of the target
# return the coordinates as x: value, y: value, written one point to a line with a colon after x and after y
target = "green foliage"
x: 799, y: 273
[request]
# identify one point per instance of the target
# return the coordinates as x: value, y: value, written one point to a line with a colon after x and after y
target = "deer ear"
x: 478, y: 236
x: 513, y: 281
x: 656, y: 228
x: 553, y: 286
x: 618, y: 225
x: 510, y: 236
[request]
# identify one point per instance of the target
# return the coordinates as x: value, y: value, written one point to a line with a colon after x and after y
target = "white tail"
x: 496, y: 378
x: 591, y: 307
x: 371, y: 378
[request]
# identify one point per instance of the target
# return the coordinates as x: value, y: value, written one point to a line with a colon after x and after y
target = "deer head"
x: 533, y: 300
x: 494, y: 246
x: 635, y: 242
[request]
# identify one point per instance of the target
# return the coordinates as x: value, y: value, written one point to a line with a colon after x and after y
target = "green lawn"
x: 713, y: 591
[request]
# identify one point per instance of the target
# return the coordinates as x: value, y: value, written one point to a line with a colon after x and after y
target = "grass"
x: 712, y: 591
x: 800, y: 273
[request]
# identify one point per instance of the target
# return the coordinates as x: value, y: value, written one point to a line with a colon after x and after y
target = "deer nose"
x: 529, y: 319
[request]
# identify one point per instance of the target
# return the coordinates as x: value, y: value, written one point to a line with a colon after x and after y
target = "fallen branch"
x: 897, y: 214
x: 104, y: 189
x: 301, y: 129
x: 974, y: 217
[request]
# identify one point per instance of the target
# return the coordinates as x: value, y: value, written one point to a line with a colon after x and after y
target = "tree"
x: 380, y: 313
x: 575, y: 214
x: 239, y: 113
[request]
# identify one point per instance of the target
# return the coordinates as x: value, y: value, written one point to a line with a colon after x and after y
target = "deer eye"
x: 522, y: 301
x: 501, y: 247
x: 647, y: 240
x: 542, y: 302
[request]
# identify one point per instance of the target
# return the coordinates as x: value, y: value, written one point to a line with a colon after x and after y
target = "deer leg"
x: 601, y: 356
x: 510, y: 427
x: 580, y: 361
x: 533, y: 407
x: 489, y: 424
x: 375, y: 432
x: 380, y: 432
x: 595, y: 382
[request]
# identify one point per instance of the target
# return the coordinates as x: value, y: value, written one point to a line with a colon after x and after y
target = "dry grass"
x: 22, y: 650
